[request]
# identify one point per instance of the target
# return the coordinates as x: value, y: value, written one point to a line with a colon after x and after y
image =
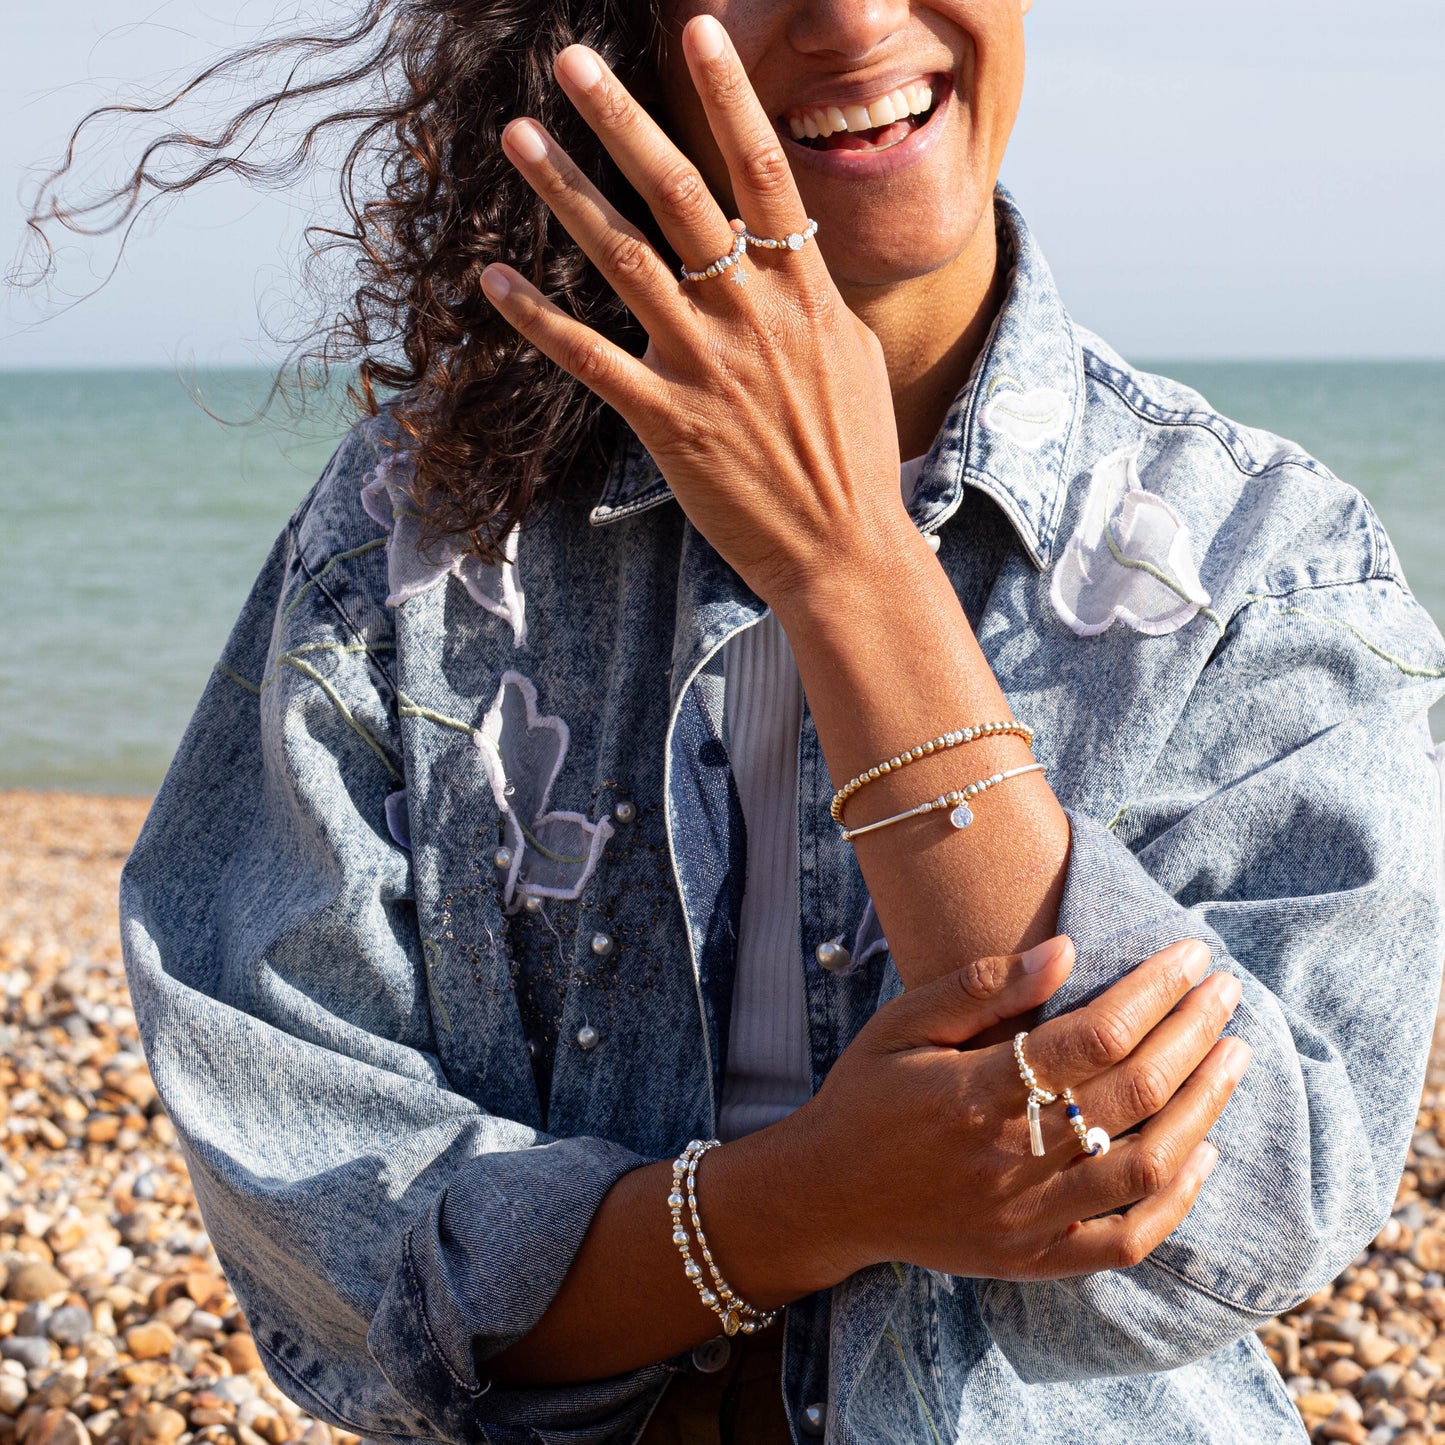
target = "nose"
x: 847, y: 31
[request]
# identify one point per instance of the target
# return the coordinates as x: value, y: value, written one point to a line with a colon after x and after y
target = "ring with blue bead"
x: 1093, y: 1142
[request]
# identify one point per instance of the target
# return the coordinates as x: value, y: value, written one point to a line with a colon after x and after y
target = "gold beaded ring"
x: 911, y: 755
x: 724, y: 264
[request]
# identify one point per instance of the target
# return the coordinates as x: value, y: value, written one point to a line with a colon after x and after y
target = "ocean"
x: 132, y: 524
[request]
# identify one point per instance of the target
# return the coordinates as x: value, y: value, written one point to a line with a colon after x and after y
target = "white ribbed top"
x: 769, y: 1072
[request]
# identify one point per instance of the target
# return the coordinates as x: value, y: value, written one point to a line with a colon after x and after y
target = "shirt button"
x: 588, y: 1038
x: 934, y: 541
x: 502, y: 858
x: 602, y: 944
x: 710, y: 1356
x: 625, y: 810
x: 533, y: 903
x: 812, y: 1419
x: 832, y: 955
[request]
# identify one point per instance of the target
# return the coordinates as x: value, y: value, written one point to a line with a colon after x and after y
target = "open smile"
x: 877, y: 124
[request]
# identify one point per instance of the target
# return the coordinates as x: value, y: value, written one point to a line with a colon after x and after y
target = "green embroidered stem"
x: 432, y: 954
x: 330, y: 563
x: 407, y: 708
x: 913, y: 1385
x: 1116, y: 819
x: 546, y: 852
x: 306, y: 670
x: 1411, y: 669
x: 1134, y: 563
x: 238, y: 679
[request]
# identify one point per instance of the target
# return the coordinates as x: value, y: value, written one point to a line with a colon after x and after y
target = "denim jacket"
x: 430, y: 929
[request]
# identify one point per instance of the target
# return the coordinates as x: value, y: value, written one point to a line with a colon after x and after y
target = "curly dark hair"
x: 420, y: 91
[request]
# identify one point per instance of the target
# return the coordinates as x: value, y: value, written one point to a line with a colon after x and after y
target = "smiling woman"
x: 748, y: 834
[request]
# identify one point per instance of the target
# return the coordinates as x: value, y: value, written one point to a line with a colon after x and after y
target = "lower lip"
x: 871, y: 164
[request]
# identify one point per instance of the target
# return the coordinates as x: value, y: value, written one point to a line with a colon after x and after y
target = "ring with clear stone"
x: 793, y: 241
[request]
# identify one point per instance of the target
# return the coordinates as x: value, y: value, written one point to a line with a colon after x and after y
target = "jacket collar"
x: 1010, y: 432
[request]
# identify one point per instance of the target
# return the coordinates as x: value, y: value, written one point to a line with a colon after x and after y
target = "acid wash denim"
x: 402, y: 1090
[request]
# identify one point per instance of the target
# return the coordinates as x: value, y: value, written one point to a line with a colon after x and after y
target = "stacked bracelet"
x: 737, y: 1315
x: 961, y: 815
x: 911, y: 755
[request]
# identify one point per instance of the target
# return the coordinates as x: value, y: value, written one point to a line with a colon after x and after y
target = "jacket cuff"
x: 478, y: 1270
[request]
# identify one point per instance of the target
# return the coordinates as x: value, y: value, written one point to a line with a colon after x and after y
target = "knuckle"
x: 1149, y: 1088
x: 766, y: 168
x: 1107, y: 1038
x: 627, y: 255
x: 612, y: 107
x: 1151, y: 1169
x: 681, y: 192
x: 1134, y: 1245
x: 981, y: 979
x: 590, y: 362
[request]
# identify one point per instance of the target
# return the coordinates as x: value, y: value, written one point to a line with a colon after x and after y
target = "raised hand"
x: 766, y: 404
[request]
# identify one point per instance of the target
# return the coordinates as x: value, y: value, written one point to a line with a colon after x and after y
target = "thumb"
x: 953, y: 1009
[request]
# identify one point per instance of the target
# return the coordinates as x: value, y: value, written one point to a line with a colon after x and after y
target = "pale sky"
x: 1209, y: 178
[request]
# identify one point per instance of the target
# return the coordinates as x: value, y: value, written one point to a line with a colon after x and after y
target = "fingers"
x: 763, y: 185
x: 952, y: 1009
x: 1075, y: 1047
x: 618, y: 249
x: 666, y: 180
x: 1120, y: 1241
x: 623, y: 382
x: 1143, y: 1165
x: 1141, y: 1086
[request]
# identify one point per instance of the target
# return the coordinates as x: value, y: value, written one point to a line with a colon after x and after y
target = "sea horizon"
x: 129, y: 565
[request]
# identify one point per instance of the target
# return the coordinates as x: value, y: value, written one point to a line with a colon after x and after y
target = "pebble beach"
x: 116, y: 1323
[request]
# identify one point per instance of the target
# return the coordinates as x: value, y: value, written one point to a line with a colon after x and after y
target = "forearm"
x: 888, y: 660
x: 626, y: 1302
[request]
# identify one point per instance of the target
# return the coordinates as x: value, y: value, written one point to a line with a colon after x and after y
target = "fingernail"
x: 496, y: 284
x: 1195, y: 960
x: 1228, y: 990
x: 707, y: 38
x: 1040, y: 956
x: 580, y: 66
x: 1237, y: 1055
x: 1210, y: 1159
x: 526, y: 140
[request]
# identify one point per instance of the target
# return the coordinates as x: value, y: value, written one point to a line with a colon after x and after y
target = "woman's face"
x: 901, y: 192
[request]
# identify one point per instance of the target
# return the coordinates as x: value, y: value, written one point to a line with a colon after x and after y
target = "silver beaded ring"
x: 793, y: 241
x: 731, y: 262
x: 1038, y: 1095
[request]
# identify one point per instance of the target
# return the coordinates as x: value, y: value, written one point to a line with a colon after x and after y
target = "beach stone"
x: 204, y: 1325
x: 317, y: 1433
x: 1342, y: 1428
x: 58, y: 1427
x: 59, y: 1389
x: 1374, y: 1349
x: 150, y: 1341
x: 33, y: 1319
x: 102, y: 1422
x: 241, y: 1354
x: 13, y: 1394
x: 234, y: 1389
x: 1342, y: 1374
x: 247, y: 1436
x: 35, y: 1280
x: 158, y: 1425
x: 32, y: 1351
x: 69, y: 1325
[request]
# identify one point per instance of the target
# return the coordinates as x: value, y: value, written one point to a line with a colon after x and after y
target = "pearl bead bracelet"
x: 737, y: 1316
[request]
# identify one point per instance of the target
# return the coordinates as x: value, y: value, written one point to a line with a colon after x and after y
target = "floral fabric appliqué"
x: 1131, y: 559
x: 1029, y: 418
x: 412, y: 571
x: 553, y: 853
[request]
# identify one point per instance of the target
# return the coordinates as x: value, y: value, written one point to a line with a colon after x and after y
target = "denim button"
x: 533, y: 903
x: 812, y: 1419
x: 625, y: 810
x: 602, y: 944
x: 502, y: 858
x: 832, y: 955
x: 588, y: 1038
x: 710, y: 1356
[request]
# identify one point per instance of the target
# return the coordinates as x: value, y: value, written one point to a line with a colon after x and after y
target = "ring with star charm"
x: 733, y: 261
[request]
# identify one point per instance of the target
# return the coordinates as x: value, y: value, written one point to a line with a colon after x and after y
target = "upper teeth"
x: 911, y: 99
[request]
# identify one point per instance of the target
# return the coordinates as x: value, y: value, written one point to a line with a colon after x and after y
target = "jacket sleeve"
x: 383, y: 1233
x: 1293, y: 821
